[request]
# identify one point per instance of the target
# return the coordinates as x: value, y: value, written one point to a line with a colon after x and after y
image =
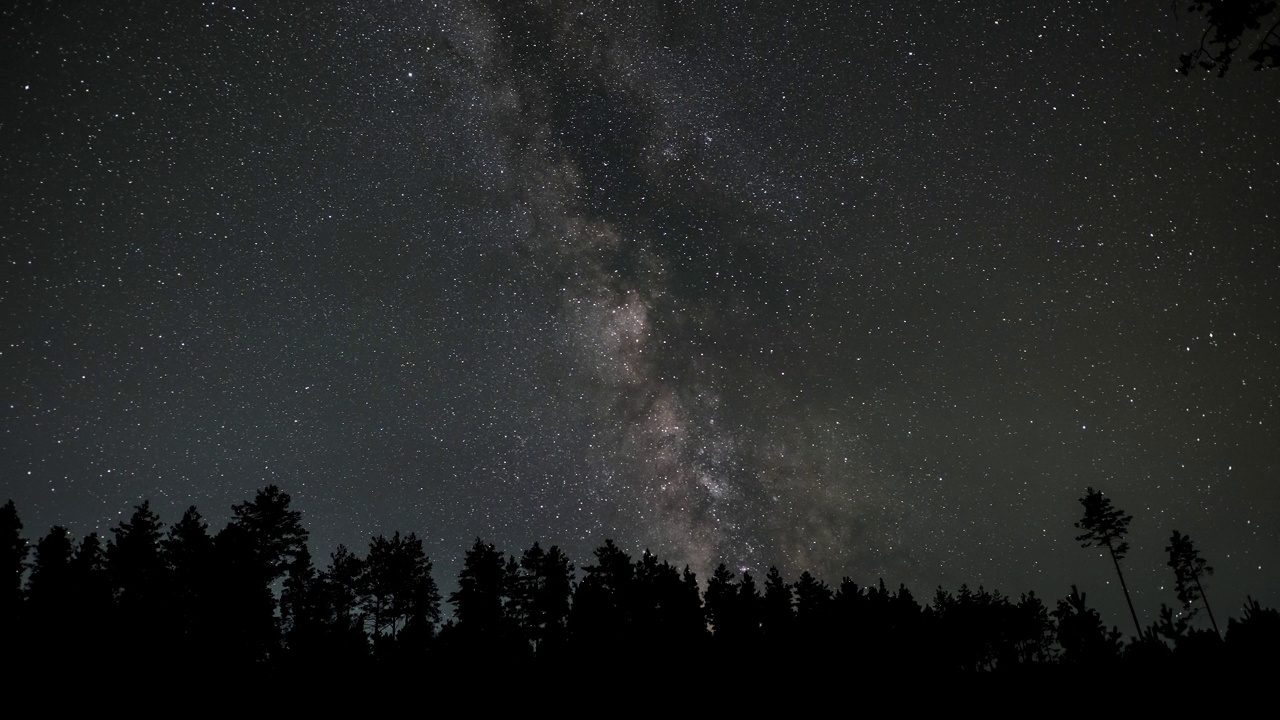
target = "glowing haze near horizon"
x: 870, y: 291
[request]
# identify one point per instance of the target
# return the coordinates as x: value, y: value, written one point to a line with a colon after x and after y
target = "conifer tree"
x: 813, y: 598
x: 1033, y: 630
x: 188, y: 555
x: 244, y: 627
x: 51, y: 596
x: 482, y: 629
x: 1085, y: 640
x: 274, y: 532
x: 301, y: 604
x: 343, y: 584
x: 320, y: 612
x: 398, y: 586
x: 478, y: 601
x: 748, y: 608
x: 602, y: 610
x: 541, y: 595
x: 92, y: 605
x: 777, y: 606
x: 720, y: 602
x: 1188, y: 568
x: 136, y: 565
x: 688, y: 606
x: 90, y: 575
x: 49, y: 588
x: 13, y: 560
x: 1105, y: 526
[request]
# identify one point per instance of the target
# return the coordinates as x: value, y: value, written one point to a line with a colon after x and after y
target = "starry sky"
x: 864, y: 288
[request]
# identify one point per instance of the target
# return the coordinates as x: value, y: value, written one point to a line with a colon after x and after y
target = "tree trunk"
x: 1137, y: 626
x: 1205, y: 598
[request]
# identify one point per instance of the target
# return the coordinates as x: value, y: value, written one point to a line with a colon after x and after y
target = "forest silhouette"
x: 250, y: 598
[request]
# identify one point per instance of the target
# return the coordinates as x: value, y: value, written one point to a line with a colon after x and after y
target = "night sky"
x: 865, y: 290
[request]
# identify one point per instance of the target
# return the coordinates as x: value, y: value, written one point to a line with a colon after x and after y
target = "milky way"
x: 591, y: 117
x: 865, y: 289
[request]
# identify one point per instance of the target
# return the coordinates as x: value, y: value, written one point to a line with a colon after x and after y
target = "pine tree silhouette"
x: 50, y: 594
x: 601, y: 618
x: 720, y: 603
x: 49, y: 588
x: 244, y: 624
x: 13, y: 561
x: 274, y: 531
x: 777, y: 612
x: 323, y: 625
x: 1254, y: 637
x: 478, y: 601
x: 188, y: 555
x: 398, y: 587
x: 139, y: 578
x: 542, y: 594
x: 92, y: 607
x: 1105, y: 526
x: 747, y: 615
x: 483, y: 628
x: 206, y: 605
x: 1084, y: 639
x: 1188, y: 568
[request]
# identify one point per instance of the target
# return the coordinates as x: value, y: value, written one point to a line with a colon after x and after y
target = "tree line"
x: 250, y: 596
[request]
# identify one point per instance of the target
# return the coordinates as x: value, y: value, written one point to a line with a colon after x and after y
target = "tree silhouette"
x: 139, y: 582
x: 1189, y: 644
x: 1084, y: 639
x: 748, y: 609
x: 720, y: 603
x: 244, y: 625
x: 983, y: 630
x: 478, y: 601
x: 1033, y: 631
x: 1255, y: 635
x: 814, y: 605
x: 302, y: 614
x: 49, y: 588
x: 91, y: 606
x: 343, y: 584
x: 69, y: 595
x: 601, y: 617
x: 50, y: 596
x: 398, y: 587
x: 1105, y: 526
x: 13, y: 559
x: 777, y: 611
x: 90, y: 575
x: 206, y: 606
x: 813, y: 599
x: 320, y: 611
x: 136, y: 565
x: 186, y: 550
x: 663, y: 611
x: 188, y: 554
x: 1188, y: 568
x: 733, y: 610
x: 541, y: 594
x: 1227, y: 24
x: 274, y: 532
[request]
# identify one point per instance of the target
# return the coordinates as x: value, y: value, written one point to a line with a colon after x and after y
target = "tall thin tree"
x: 13, y: 560
x: 1105, y: 526
x: 1188, y: 568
